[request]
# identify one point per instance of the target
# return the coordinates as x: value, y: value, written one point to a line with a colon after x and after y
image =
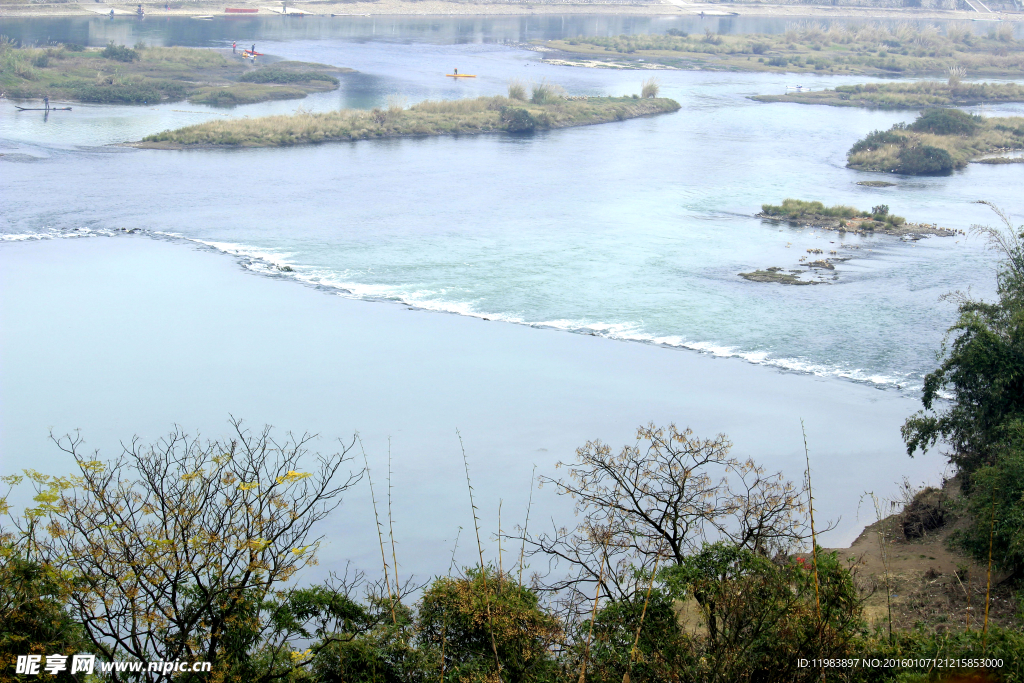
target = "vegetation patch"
x: 451, y: 117
x: 847, y: 219
x: 778, y: 275
x: 118, y: 74
x: 899, y: 48
x: 938, y: 142
x: 270, y: 74
x: 999, y: 160
x: 918, y: 95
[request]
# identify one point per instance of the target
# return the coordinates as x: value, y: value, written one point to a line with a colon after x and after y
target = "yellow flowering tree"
x: 179, y: 550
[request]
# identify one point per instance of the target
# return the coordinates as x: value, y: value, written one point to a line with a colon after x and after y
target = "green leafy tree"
x: 996, y: 506
x: 983, y: 367
x: 761, y: 615
x: 640, y: 636
x: 458, y: 616
x: 33, y: 615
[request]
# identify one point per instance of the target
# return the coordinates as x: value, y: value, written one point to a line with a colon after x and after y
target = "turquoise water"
x: 633, y: 230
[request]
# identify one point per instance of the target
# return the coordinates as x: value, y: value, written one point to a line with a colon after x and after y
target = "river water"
x: 634, y: 230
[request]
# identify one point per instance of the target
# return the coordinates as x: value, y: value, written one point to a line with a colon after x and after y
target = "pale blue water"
x: 634, y: 230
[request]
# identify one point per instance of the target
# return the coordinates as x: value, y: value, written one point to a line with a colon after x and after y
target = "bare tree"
x: 175, y: 546
x: 664, y: 496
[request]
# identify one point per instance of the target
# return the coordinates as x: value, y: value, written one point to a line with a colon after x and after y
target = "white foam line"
x: 269, y: 262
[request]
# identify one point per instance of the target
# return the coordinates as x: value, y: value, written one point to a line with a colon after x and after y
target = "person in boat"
x: 140, y: 11
x: 111, y: 13
x: 456, y: 72
x: 46, y: 102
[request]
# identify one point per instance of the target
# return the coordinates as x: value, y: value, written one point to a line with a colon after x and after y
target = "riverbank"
x: 917, y: 95
x: 931, y: 586
x: 119, y: 74
x: 163, y: 322
x: 449, y: 117
x: 877, y: 50
x: 442, y: 8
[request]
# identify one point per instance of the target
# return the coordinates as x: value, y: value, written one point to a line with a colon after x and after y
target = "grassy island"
x: 122, y: 75
x: 939, y: 141
x: 813, y: 48
x: 918, y: 95
x: 453, y: 117
x: 848, y: 219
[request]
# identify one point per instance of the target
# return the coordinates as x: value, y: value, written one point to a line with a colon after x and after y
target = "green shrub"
x: 924, y: 160
x: 796, y: 208
x: 116, y: 94
x: 761, y: 615
x: 120, y: 53
x: 997, y: 492
x: 876, y: 139
x: 662, y: 652
x: 778, y: 61
x: 517, y: 120
x: 269, y: 74
x: 33, y: 612
x: 484, y: 612
x: 946, y: 122
x: 760, y: 48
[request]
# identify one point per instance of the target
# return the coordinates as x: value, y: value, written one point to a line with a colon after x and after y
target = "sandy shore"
x: 440, y: 8
x: 129, y: 335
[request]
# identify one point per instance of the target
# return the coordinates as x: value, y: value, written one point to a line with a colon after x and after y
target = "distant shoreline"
x: 437, y: 8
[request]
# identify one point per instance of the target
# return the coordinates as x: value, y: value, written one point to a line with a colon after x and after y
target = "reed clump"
x: 446, y: 117
x: 650, y: 88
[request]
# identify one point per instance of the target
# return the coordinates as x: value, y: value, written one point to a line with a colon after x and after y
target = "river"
x: 635, y: 231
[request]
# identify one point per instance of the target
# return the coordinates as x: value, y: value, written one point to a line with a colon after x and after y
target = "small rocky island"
x: 779, y: 275
x: 839, y: 218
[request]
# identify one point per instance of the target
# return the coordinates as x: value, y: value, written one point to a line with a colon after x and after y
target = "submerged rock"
x: 776, y: 274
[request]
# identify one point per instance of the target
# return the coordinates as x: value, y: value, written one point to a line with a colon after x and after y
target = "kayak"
x: 250, y: 52
x: 460, y: 75
x: 42, y: 108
